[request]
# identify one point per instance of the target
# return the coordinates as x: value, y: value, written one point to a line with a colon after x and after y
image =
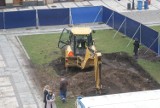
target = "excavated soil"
x: 120, y: 73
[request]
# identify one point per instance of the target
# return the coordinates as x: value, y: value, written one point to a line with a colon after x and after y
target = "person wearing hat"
x: 45, y: 93
x: 136, y: 47
x: 50, y: 100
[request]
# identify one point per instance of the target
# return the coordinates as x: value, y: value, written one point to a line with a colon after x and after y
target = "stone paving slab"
x: 9, y: 102
x: 6, y: 91
x: 18, y: 77
x: 4, y: 81
x: 68, y: 4
x: 15, y: 88
x: 2, y: 63
x: 86, y: 3
x: 22, y: 87
x: 19, y: 87
x: 155, y: 3
x: 79, y: 4
x: 98, y: 3
x: 30, y: 106
x: 41, y: 7
x: 114, y: 4
x: 27, y: 98
x: 8, y: 97
x: 55, y: 5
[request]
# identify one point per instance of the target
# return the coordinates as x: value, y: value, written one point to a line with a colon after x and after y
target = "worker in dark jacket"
x: 63, y: 89
x: 136, y: 47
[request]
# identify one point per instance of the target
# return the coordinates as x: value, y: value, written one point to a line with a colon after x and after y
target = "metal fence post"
x: 113, y: 20
x: 140, y: 33
x: 159, y: 44
x: 134, y: 35
x: 4, y: 21
x: 37, y: 20
x: 97, y: 15
x: 125, y: 26
x: 109, y: 18
x: 70, y: 17
x: 119, y: 28
x: 152, y: 44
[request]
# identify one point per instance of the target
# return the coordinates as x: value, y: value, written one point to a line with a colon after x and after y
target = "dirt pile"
x: 120, y: 73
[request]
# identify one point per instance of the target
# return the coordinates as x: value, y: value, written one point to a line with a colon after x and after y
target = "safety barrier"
x: 86, y: 15
x: 19, y: 19
x: 133, y: 29
x: 53, y: 17
x: 44, y: 17
x: 1, y: 21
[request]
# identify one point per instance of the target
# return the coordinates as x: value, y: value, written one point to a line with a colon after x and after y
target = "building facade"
x: 21, y: 2
x: 32, y: 2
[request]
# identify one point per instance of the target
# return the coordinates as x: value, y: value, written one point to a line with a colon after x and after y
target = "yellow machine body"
x: 79, y: 50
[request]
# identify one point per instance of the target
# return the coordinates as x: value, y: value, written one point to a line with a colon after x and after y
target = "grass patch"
x: 157, y: 28
x: 106, y: 43
x: 69, y: 104
x: 152, y: 67
x: 42, y: 49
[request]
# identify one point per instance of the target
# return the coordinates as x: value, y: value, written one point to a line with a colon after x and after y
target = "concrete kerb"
x: 22, y: 47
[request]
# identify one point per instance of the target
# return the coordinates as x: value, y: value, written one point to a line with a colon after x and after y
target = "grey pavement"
x: 18, y: 87
x: 146, y: 17
x: 119, y: 6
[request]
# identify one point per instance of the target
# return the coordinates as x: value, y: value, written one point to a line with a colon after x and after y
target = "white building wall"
x: 9, y: 1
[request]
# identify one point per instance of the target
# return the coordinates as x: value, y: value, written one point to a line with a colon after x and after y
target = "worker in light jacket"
x: 50, y: 100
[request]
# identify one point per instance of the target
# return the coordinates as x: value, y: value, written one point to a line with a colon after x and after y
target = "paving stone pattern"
x: 17, y: 88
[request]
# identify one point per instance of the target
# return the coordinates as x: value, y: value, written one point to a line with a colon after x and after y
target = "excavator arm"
x: 97, y: 71
x: 97, y: 66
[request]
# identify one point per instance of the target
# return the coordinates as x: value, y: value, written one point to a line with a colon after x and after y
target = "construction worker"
x: 136, y: 47
x: 63, y: 89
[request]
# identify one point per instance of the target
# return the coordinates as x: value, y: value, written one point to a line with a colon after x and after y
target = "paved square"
x: 7, y: 95
x: 4, y: 81
x: 2, y: 63
x: 8, y: 102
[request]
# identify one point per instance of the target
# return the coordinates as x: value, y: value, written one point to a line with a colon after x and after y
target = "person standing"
x: 136, y: 47
x: 63, y: 89
x: 45, y: 93
x: 50, y: 98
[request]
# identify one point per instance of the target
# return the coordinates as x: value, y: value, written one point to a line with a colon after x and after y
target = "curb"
x: 22, y: 47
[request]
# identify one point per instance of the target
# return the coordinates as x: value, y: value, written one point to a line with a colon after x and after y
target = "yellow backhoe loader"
x: 78, y: 50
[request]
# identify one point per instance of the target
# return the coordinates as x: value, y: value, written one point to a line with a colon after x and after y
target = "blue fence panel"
x: 20, y: 19
x: 119, y: 22
x: 53, y: 17
x: 86, y: 14
x: 132, y: 28
x: 1, y: 21
x: 107, y: 17
x: 148, y: 36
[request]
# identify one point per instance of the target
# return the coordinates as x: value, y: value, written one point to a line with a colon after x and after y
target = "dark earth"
x: 120, y: 73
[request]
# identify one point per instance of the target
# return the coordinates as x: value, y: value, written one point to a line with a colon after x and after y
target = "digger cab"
x: 78, y: 39
x: 78, y: 49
